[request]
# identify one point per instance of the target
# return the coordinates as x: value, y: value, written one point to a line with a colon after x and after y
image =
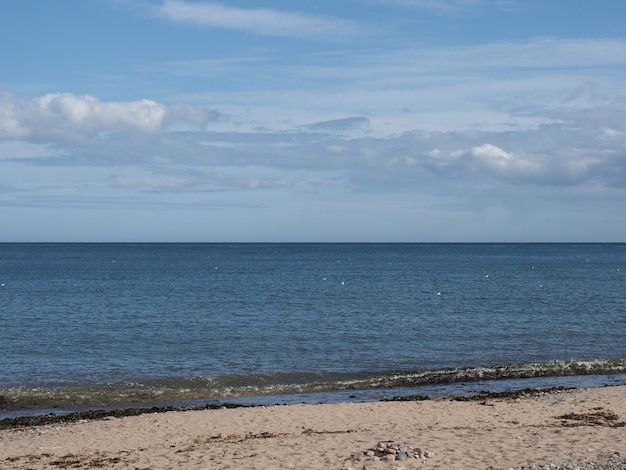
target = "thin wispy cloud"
x: 446, y: 5
x: 263, y: 21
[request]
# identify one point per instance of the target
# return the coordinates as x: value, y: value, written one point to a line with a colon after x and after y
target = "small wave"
x: 168, y: 390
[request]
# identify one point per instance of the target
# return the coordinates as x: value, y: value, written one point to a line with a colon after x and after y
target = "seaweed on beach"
x: 84, y: 461
x: 28, y: 421
x: 486, y: 395
x: 93, y: 460
x: 512, y: 395
x: 599, y: 417
x: 407, y: 398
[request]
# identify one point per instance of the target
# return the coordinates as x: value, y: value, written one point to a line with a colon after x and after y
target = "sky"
x: 313, y: 121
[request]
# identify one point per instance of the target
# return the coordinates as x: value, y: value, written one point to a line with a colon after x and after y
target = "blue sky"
x: 346, y: 120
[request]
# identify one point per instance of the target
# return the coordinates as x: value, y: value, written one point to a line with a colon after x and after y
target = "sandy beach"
x: 501, y: 433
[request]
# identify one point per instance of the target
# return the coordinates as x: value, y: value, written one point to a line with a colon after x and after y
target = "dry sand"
x: 497, y: 433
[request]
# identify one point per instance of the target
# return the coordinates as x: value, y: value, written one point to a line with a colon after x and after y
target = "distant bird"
x: 2, y: 285
x: 438, y: 292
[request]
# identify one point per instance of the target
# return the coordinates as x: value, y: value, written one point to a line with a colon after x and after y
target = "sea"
x: 93, y: 325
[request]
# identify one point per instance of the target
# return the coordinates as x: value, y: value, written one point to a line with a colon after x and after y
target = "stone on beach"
x: 391, y: 451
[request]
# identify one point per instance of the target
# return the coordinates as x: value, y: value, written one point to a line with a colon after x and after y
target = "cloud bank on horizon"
x: 361, y: 120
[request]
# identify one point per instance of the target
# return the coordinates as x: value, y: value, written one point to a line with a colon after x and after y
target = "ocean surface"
x: 93, y: 325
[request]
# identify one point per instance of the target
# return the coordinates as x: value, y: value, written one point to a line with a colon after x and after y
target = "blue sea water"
x: 101, y: 324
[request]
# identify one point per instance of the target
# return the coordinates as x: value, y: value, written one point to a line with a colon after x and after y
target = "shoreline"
x: 511, y: 430
x: 20, y: 402
x: 95, y: 413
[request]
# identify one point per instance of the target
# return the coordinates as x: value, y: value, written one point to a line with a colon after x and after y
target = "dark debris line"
x: 26, y: 421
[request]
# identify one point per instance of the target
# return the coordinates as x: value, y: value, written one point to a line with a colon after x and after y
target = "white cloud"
x: 87, y: 112
x: 64, y: 113
x: 491, y: 153
x: 259, y: 21
x: 498, y: 160
x: 540, y: 166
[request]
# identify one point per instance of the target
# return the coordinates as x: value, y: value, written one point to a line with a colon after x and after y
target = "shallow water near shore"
x: 435, y: 391
x: 103, y: 324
